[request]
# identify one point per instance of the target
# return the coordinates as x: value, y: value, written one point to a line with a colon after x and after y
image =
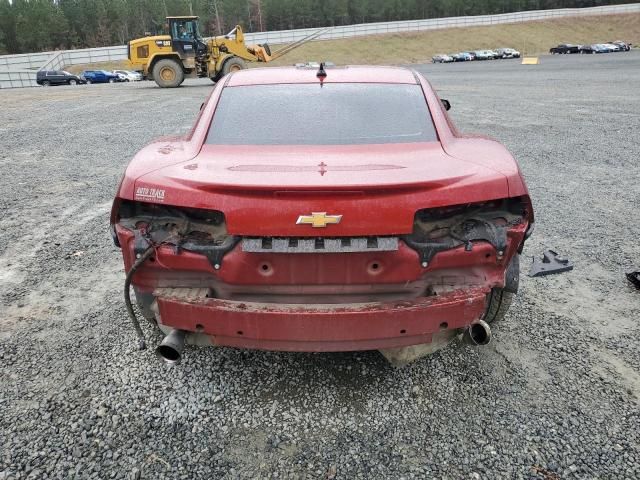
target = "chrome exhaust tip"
x: 170, y: 349
x: 478, y: 333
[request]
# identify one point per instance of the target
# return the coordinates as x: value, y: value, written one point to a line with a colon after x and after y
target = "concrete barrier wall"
x: 14, y: 69
x: 24, y: 61
x: 17, y: 78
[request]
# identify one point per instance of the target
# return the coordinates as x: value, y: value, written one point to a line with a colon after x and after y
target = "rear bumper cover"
x: 318, y: 328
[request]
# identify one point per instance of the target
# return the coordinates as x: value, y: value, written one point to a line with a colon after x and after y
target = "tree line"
x: 42, y: 25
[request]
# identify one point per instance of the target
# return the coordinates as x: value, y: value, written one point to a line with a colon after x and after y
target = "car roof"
x: 348, y: 74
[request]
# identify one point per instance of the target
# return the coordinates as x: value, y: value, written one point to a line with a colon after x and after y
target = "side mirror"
x: 446, y: 104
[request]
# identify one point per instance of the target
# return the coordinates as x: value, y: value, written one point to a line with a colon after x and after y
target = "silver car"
x: 442, y: 58
x: 128, y: 75
x: 507, y: 53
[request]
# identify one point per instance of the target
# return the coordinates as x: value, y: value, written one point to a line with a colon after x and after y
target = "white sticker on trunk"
x: 153, y: 194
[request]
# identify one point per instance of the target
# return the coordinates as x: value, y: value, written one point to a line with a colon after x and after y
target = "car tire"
x: 72, y: 82
x: 499, y: 300
x: 233, y: 64
x: 168, y: 73
x: 88, y: 82
x: 46, y: 83
x: 498, y: 303
x: 112, y: 80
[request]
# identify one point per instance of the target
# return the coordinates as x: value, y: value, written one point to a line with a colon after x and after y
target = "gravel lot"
x: 555, y: 395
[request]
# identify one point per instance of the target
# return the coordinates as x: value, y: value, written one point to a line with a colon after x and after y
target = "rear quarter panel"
x: 476, y: 149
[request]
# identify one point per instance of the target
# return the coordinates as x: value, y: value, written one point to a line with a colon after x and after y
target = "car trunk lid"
x: 376, y: 188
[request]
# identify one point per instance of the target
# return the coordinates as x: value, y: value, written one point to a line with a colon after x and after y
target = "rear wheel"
x: 498, y: 303
x: 72, y: 82
x: 46, y: 83
x: 234, y: 64
x: 499, y: 300
x: 88, y: 81
x: 112, y: 80
x: 168, y: 73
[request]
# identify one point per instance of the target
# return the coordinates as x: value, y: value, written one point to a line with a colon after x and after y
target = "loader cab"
x: 185, y: 37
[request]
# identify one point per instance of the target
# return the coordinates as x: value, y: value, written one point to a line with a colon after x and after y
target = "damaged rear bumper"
x: 318, y: 328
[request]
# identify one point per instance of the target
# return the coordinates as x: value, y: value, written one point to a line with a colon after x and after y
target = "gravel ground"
x: 555, y: 395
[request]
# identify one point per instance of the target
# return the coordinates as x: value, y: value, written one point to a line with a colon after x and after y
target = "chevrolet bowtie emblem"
x: 318, y: 219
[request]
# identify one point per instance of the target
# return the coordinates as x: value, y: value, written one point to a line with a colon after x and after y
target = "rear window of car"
x: 334, y: 114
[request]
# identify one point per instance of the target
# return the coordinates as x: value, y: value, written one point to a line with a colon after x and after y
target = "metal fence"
x: 19, y: 70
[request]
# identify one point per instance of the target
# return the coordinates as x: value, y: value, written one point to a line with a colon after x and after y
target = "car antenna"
x: 322, y: 74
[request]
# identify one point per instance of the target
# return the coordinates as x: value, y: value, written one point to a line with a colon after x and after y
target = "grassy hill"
x: 532, y: 38
x: 418, y: 47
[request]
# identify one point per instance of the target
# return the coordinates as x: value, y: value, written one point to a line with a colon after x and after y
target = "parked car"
x: 607, y: 48
x: 507, y: 53
x: 215, y: 256
x: 595, y: 48
x: 564, y: 48
x: 462, y: 57
x: 100, y: 76
x: 57, y: 77
x: 625, y: 47
x: 472, y: 55
x: 612, y: 47
x: 128, y: 75
x: 484, y: 55
x: 441, y: 58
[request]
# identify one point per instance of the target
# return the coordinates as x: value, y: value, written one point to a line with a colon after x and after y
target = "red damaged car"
x: 327, y: 210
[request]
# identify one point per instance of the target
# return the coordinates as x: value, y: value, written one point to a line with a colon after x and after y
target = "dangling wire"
x: 127, y: 295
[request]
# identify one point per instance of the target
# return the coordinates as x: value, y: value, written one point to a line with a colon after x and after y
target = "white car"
x: 612, y: 46
x: 507, y: 53
x: 128, y: 75
x: 442, y: 58
x: 485, y: 54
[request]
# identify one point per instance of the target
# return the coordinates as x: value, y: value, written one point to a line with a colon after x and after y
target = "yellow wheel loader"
x: 169, y: 59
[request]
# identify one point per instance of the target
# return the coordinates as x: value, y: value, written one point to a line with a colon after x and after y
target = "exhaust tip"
x: 170, y: 349
x: 168, y: 354
x: 478, y: 333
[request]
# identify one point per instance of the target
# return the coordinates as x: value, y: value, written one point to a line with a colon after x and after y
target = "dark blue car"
x: 99, y: 76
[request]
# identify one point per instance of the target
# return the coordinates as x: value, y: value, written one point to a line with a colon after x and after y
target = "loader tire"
x: 168, y: 73
x: 233, y: 65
